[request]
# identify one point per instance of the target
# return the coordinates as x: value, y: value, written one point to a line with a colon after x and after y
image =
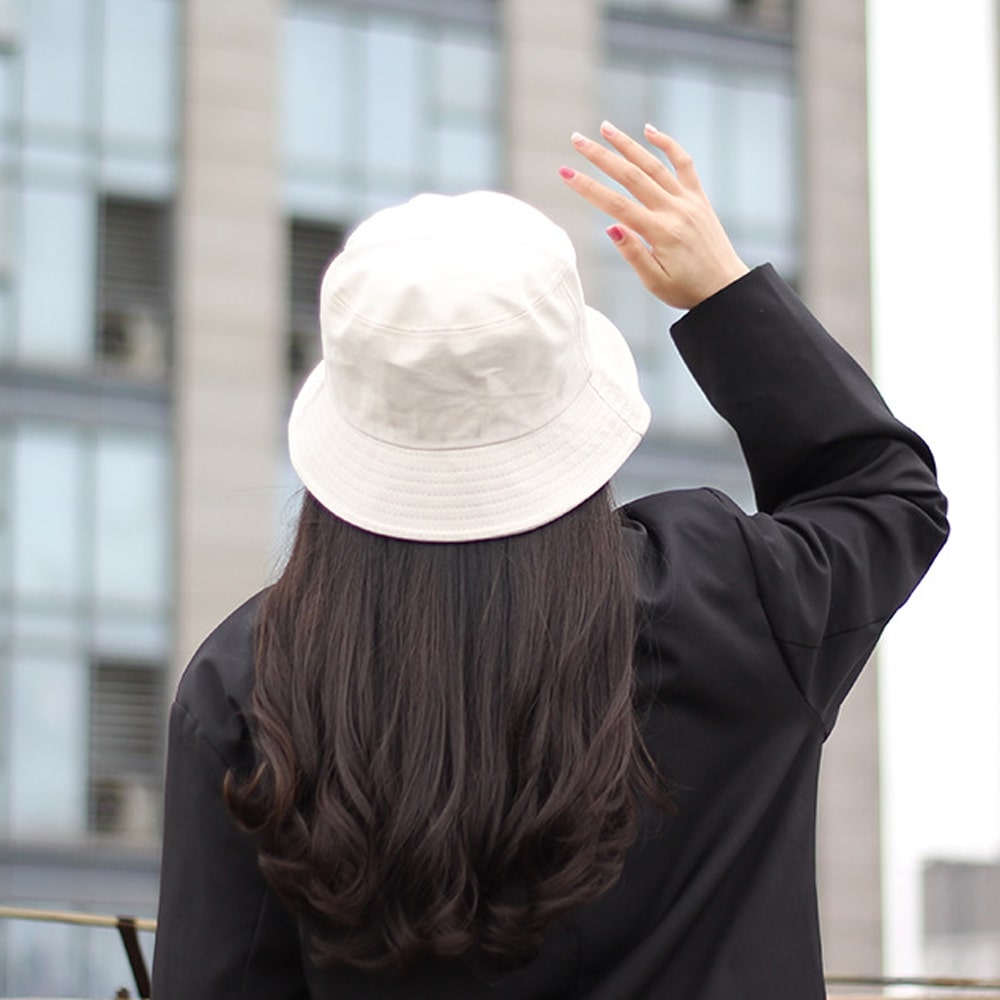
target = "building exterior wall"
x: 552, y: 55
x: 961, y: 918
x: 836, y: 284
x: 229, y: 375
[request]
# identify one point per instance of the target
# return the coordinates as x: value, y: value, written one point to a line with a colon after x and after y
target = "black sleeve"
x: 221, y: 934
x: 850, y: 513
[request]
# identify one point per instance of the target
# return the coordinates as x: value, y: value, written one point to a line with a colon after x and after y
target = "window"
x: 728, y: 97
x: 125, y: 741
x: 134, y: 287
x: 47, y: 742
x: 380, y: 102
x: 311, y: 246
x: 86, y: 540
x: 138, y: 73
x: 766, y: 13
x: 56, y: 276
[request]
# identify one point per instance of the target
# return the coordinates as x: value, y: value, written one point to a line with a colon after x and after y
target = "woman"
x: 487, y: 736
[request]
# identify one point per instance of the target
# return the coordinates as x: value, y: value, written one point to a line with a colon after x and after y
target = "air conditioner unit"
x: 134, y: 342
x: 10, y: 26
x: 124, y: 806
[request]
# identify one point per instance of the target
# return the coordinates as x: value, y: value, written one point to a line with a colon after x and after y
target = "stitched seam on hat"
x: 361, y: 320
x: 478, y: 446
x: 616, y: 410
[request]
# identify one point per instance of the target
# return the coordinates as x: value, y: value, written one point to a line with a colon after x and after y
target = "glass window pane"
x: 46, y: 504
x: 626, y: 304
x: 55, y: 46
x: 465, y: 158
x: 139, y: 70
x: 48, y: 758
x: 739, y: 127
x: 44, y: 960
x: 8, y: 92
x: 320, y: 88
x: 689, y: 103
x: 6, y: 511
x: 681, y: 403
x: 395, y: 104
x: 57, y: 276
x: 627, y: 98
x: 131, y: 507
x: 764, y: 145
x: 466, y: 75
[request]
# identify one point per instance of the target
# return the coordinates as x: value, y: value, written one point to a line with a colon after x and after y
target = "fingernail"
x: 567, y: 173
x: 616, y: 233
x: 608, y: 129
x: 577, y: 139
x: 652, y: 129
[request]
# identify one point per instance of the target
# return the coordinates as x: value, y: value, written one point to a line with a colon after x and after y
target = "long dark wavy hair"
x: 448, y: 757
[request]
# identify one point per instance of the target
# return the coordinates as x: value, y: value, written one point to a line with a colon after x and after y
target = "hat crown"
x: 454, y: 322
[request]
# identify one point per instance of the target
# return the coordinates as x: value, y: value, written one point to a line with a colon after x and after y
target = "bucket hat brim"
x: 455, y: 494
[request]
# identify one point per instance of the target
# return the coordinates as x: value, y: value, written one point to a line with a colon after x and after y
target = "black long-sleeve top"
x: 753, y: 628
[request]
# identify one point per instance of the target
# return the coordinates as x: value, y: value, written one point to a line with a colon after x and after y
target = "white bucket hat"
x: 466, y: 391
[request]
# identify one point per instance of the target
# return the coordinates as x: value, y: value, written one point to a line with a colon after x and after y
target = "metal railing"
x: 127, y: 927
x: 840, y: 987
x: 846, y: 987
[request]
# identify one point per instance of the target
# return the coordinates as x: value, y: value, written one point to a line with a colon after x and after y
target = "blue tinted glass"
x: 43, y: 960
x: 764, y: 145
x: 466, y: 74
x: 47, y: 473
x: 627, y: 100
x: 395, y: 102
x: 6, y: 516
x: 465, y: 158
x: 690, y: 105
x: 131, y: 537
x: 139, y: 71
x: 55, y: 63
x: 320, y: 88
x: 57, y: 272
x: 740, y: 131
x: 48, y: 759
x: 8, y: 96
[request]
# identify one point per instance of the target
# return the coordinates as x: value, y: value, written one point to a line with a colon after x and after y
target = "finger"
x: 641, y: 157
x: 640, y: 258
x: 632, y: 177
x: 614, y: 203
x: 678, y: 156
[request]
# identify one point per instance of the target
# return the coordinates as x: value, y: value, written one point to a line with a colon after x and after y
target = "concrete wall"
x: 836, y: 284
x: 229, y: 382
x: 552, y: 60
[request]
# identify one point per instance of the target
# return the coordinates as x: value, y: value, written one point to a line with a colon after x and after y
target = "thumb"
x: 639, y: 257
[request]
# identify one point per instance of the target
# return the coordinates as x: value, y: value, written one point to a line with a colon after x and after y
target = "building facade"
x: 173, y: 178
x: 961, y: 918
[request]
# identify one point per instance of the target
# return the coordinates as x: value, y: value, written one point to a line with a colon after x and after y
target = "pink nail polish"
x: 567, y: 173
x: 616, y: 233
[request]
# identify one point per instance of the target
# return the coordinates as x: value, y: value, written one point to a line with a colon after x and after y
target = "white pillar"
x: 831, y: 53
x: 552, y: 57
x: 229, y: 372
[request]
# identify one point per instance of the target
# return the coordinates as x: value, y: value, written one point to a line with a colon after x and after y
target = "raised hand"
x: 669, y: 232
